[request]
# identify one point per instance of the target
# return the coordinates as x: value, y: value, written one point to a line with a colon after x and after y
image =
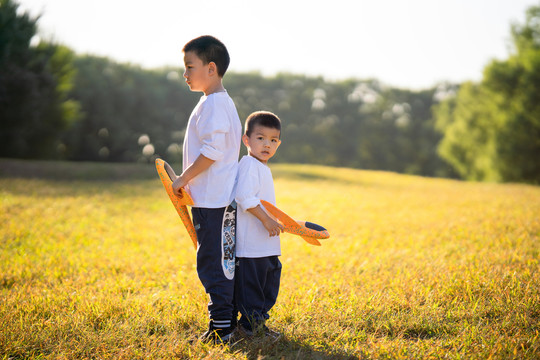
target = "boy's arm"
x: 199, y: 165
x: 274, y: 228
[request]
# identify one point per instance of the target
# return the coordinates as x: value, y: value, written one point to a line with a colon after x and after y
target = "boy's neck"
x: 259, y: 160
x: 215, y: 88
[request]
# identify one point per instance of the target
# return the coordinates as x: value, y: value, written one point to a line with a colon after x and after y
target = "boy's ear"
x: 212, y: 68
x: 245, y: 140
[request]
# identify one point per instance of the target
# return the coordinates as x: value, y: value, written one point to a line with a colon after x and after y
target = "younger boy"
x: 210, y: 164
x: 258, y: 269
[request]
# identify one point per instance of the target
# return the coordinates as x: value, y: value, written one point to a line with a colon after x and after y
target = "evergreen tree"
x: 34, y: 85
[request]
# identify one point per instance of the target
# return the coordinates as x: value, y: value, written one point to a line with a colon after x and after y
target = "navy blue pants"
x: 216, y: 235
x: 256, y: 289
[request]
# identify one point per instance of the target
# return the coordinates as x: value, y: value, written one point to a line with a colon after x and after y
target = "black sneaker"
x: 261, y: 330
x: 271, y: 333
x: 217, y: 335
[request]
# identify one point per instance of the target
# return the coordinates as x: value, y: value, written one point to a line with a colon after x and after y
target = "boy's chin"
x: 264, y: 160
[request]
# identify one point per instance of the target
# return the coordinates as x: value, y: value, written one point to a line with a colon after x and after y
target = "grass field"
x: 94, y: 264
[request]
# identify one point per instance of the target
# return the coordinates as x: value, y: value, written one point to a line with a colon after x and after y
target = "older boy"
x: 258, y: 268
x: 210, y: 164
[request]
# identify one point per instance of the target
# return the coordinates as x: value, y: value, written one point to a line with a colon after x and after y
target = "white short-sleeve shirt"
x: 255, y: 183
x: 214, y: 130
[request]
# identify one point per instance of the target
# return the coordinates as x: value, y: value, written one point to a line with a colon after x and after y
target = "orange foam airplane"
x: 167, y: 176
x: 308, y: 231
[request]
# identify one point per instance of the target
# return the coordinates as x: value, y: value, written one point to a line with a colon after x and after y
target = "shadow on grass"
x: 107, y: 171
x: 96, y: 171
x: 284, y: 348
x: 75, y: 171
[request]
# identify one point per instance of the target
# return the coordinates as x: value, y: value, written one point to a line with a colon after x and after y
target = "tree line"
x: 57, y: 104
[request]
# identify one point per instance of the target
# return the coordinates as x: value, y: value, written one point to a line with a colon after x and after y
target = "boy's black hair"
x: 209, y: 49
x: 262, y: 118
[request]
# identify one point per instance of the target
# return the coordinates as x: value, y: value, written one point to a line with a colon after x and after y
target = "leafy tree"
x: 34, y: 86
x: 469, y: 125
x: 492, y: 129
x: 514, y: 86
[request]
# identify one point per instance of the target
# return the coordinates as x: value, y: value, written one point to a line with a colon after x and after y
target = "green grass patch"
x: 94, y: 263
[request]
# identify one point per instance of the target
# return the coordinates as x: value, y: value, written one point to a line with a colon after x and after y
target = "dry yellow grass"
x: 414, y: 268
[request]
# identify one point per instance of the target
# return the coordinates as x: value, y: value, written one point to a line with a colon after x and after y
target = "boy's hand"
x: 274, y: 228
x: 200, y: 164
x: 178, y: 184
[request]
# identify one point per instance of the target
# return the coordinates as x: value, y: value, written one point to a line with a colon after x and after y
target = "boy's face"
x: 262, y: 143
x: 197, y: 74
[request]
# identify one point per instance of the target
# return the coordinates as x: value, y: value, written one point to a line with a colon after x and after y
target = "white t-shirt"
x: 255, y: 182
x: 214, y: 130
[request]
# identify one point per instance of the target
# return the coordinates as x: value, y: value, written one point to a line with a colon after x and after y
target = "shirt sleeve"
x: 213, y: 127
x: 248, y: 186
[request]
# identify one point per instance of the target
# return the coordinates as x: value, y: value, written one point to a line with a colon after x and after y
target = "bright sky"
x: 410, y: 44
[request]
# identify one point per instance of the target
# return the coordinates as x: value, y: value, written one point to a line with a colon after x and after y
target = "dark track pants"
x: 216, y: 235
x: 256, y: 288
